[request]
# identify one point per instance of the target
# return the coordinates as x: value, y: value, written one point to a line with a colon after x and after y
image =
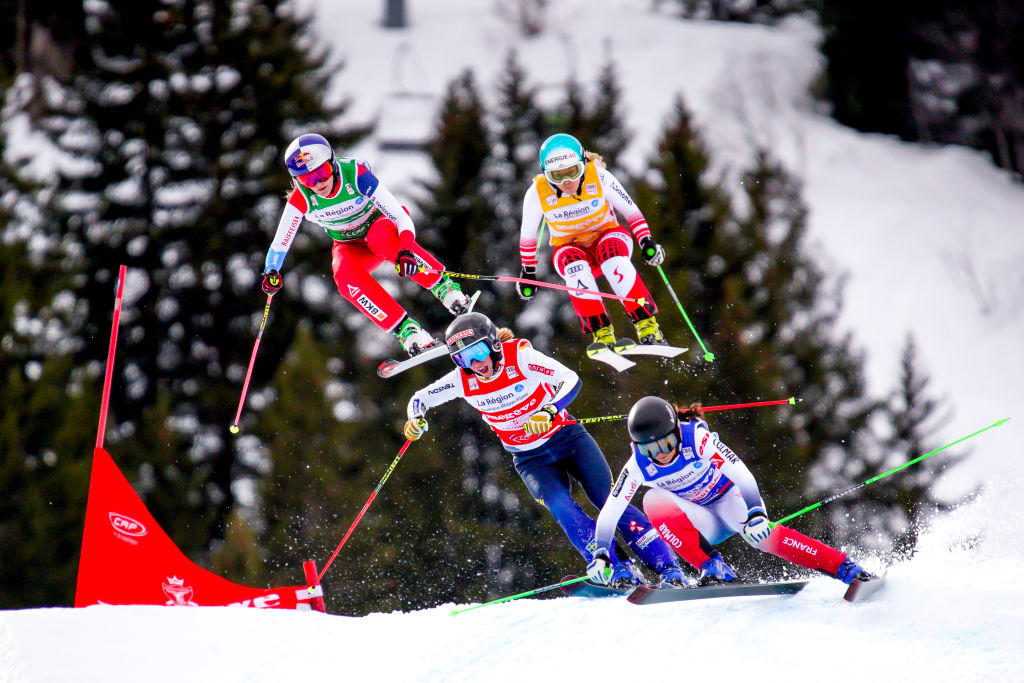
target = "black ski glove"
x: 526, y: 291
x: 273, y: 281
x: 651, y: 252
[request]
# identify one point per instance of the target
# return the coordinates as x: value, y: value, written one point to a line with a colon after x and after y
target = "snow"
x: 930, y: 239
x: 937, y: 619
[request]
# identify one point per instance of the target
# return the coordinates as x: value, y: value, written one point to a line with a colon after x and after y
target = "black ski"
x: 649, y: 596
x: 859, y: 591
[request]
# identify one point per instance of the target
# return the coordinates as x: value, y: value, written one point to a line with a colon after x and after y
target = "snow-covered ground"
x: 953, y: 613
x: 932, y: 242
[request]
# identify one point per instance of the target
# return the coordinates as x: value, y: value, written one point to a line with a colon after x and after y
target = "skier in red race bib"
x: 522, y: 395
x: 700, y: 494
x: 576, y: 196
x: 368, y: 226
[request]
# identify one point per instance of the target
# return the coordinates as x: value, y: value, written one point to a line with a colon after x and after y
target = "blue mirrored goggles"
x: 478, y: 351
x: 665, y: 444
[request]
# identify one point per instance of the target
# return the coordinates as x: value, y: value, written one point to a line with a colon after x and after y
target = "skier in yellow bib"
x: 576, y: 195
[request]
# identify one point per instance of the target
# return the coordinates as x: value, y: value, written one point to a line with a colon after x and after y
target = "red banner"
x: 127, y: 559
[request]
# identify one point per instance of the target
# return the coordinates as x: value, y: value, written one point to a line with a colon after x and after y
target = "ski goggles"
x: 560, y: 175
x: 316, y: 176
x: 474, y: 352
x: 665, y: 444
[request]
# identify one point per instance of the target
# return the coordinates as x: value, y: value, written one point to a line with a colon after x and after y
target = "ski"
x: 601, y: 352
x: 390, y: 368
x: 859, y: 591
x: 585, y: 589
x: 649, y: 596
x: 627, y: 347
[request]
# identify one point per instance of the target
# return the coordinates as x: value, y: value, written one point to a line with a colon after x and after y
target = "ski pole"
x: 109, y: 374
x: 520, y: 595
x: 537, y: 283
x: 252, y: 361
x: 886, y: 474
x: 708, y: 356
x: 733, y: 406
x: 394, y: 464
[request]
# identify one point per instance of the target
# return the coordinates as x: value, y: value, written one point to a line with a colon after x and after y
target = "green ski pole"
x: 520, y: 595
x: 886, y: 474
x: 708, y: 356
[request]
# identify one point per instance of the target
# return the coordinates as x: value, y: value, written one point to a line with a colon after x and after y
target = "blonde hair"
x: 504, y: 334
x: 694, y: 410
x: 595, y: 157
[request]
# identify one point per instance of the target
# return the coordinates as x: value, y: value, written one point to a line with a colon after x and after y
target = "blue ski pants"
x: 573, y: 454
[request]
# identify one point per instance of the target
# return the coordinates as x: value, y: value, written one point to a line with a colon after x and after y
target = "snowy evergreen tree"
x: 164, y: 154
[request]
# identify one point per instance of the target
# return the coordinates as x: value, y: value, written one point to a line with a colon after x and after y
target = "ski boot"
x: 849, y: 570
x: 449, y: 293
x: 413, y: 338
x: 714, y: 571
x: 625, y: 576
x: 602, y: 335
x: 648, y: 332
x: 672, y: 575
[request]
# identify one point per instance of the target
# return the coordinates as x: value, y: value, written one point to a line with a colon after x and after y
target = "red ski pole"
x: 108, y: 376
x: 536, y: 283
x: 252, y: 361
x: 394, y: 464
x: 732, y: 406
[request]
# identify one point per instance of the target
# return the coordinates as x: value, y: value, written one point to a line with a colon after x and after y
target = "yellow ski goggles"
x: 560, y: 175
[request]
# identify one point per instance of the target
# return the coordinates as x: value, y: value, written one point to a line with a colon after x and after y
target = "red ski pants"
x: 352, y: 263
x: 579, y: 266
x: 681, y: 523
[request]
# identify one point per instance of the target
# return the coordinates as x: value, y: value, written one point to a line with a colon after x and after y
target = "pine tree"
x: 894, y: 508
x: 170, y: 152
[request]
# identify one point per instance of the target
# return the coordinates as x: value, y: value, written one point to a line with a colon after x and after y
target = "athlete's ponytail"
x: 595, y: 157
x: 694, y: 411
x: 504, y: 334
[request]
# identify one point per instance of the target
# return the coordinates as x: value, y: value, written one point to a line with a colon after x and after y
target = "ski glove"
x: 272, y: 282
x: 524, y: 290
x: 756, y: 528
x: 406, y: 263
x: 652, y: 252
x: 600, y: 568
x: 541, y: 420
x: 415, y: 427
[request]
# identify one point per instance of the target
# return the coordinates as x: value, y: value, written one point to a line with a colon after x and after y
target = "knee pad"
x: 571, y: 262
x: 612, y: 244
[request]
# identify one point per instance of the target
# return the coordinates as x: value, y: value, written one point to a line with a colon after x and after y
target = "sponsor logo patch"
x: 370, y: 307
x: 541, y: 369
x: 458, y: 335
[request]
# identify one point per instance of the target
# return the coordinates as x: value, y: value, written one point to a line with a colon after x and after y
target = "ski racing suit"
x: 524, y: 381
x: 706, y: 489
x: 588, y: 239
x: 369, y: 226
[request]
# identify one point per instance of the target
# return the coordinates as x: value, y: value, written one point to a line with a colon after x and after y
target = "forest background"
x: 156, y: 134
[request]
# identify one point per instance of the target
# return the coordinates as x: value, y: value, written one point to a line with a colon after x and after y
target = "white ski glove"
x: 541, y: 420
x: 756, y: 528
x: 415, y: 427
x: 600, y: 568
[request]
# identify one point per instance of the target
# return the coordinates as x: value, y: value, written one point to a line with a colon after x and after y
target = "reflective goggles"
x: 665, y: 444
x: 316, y: 176
x: 478, y: 351
x: 561, y: 175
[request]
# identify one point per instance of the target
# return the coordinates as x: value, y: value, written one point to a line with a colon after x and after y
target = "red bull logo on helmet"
x: 303, y: 157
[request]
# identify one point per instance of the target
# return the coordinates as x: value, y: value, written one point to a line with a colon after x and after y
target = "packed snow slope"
x: 953, y: 613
